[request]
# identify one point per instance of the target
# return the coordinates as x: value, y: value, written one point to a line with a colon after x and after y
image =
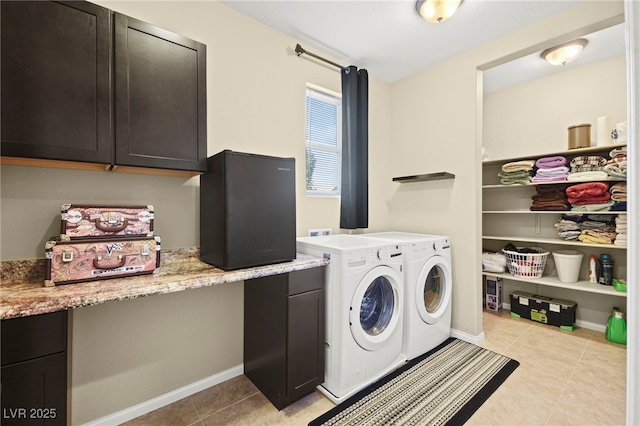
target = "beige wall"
x: 532, y: 118
x: 426, y: 123
x: 127, y: 352
x: 436, y: 120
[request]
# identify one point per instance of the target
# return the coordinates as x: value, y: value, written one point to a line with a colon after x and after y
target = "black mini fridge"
x: 247, y: 210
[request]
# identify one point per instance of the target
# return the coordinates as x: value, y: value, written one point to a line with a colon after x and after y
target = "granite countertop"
x: 22, y: 290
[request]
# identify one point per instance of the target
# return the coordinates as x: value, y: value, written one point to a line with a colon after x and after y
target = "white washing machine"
x: 364, y: 310
x: 428, y: 288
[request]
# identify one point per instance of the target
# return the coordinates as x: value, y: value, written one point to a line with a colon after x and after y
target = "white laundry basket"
x: 529, y: 265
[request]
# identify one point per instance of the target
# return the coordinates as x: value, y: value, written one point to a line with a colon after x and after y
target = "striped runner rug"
x: 445, y: 386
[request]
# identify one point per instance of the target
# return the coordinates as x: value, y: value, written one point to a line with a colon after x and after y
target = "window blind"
x: 323, y: 142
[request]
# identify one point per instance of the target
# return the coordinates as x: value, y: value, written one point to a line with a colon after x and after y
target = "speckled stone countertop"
x: 22, y: 291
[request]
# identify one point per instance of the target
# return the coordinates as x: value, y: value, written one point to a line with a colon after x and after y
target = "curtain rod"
x: 300, y: 51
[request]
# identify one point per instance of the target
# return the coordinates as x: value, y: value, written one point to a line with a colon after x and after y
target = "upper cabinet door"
x: 160, y: 82
x: 56, y: 81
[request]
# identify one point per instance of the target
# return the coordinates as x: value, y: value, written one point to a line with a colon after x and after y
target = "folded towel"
x: 550, y: 162
x: 516, y: 166
x: 587, y: 163
x: 618, y: 187
x: 617, y: 171
x: 588, y: 189
x: 618, y: 152
x: 595, y: 199
x: 557, y: 196
x: 558, y: 178
x: 620, y: 206
x: 547, y: 189
x: 621, y: 240
x: 553, y: 171
x: 594, y: 175
x: 589, y: 236
x: 550, y: 206
x: 592, y: 207
x: 510, y: 178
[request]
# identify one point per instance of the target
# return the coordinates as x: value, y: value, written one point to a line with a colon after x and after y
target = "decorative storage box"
x: 90, y: 221
x: 68, y: 262
x: 543, y: 309
x: 493, y: 293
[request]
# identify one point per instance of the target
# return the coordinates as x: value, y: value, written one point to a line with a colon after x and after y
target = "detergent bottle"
x: 617, y: 327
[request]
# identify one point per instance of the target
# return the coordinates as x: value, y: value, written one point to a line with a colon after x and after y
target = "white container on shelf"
x: 568, y: 264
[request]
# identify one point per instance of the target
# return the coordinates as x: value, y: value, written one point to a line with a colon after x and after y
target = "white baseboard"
x: 168, y: 398
x: 476, y: 340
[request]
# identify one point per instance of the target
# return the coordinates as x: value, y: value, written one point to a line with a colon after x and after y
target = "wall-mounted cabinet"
x: 65, y: 98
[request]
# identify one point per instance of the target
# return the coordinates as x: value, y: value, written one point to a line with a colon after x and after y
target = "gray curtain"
x: 354, y: 202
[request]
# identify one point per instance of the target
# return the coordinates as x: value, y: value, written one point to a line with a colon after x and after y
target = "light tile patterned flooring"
x: 564, y: 378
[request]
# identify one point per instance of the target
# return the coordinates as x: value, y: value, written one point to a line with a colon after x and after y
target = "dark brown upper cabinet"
x: 56, y: 74
x: 83, y: 85
x: 160, y: 92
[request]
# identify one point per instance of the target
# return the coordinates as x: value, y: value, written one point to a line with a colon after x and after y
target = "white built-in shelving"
x: 507, y: 218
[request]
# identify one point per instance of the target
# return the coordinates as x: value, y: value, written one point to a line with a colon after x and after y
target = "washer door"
x: 433, y: 291
x: 376, y: 308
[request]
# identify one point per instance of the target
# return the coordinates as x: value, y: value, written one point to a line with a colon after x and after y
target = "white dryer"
x: 428, y: 285
x: 364, y: 310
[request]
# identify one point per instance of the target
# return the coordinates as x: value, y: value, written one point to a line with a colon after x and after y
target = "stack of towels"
x: 569, y: 227
x: 589, y: 196
x: 516, y: 172
x: 597, y: 228
x: 588, y: 167
x: 619, y: 196
x: 616, y: 167
x: 551, y: 169
x: 621, y: 230
x: 550, y: 197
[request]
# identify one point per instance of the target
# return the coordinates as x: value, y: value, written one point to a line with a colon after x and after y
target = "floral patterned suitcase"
x: 91, y: 221
x: 68, y: 262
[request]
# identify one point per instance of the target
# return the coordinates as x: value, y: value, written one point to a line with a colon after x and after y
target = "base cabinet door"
x: 34, y: 392
x: 284, y: 327
x: 305, y: 343
x: 34, y: 370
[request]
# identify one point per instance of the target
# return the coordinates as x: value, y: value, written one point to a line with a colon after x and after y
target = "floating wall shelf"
x: 426, y: 177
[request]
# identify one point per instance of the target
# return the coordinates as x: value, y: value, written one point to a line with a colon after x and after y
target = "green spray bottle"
x: 617, y: 327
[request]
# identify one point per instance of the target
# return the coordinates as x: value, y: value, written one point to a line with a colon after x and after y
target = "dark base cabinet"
x: 34, y: 370
x: 284, y: 326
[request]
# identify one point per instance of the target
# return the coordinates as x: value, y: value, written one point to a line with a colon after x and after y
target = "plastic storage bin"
x: 568, y: 263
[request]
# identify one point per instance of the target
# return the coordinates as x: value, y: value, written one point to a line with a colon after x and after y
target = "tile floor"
x: 564, y: 378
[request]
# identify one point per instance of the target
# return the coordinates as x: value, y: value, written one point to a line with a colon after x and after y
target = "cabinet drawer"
x: 35, y: 336
x: 306, y: 280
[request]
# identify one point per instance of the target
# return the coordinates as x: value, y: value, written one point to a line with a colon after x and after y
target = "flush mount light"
x: 564, y: 53
x: 436, y: 11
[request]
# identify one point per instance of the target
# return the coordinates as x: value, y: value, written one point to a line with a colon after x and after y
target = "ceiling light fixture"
x: 564, y: 53
x: 437, y: 11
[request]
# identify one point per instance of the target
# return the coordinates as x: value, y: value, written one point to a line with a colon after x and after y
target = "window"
x: 323, y: 142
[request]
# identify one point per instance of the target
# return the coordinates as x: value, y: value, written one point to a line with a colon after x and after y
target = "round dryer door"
x: 433, y: 292
x: 376, y: 308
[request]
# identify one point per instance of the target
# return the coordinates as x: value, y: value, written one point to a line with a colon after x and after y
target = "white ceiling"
x: 390, y: 40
